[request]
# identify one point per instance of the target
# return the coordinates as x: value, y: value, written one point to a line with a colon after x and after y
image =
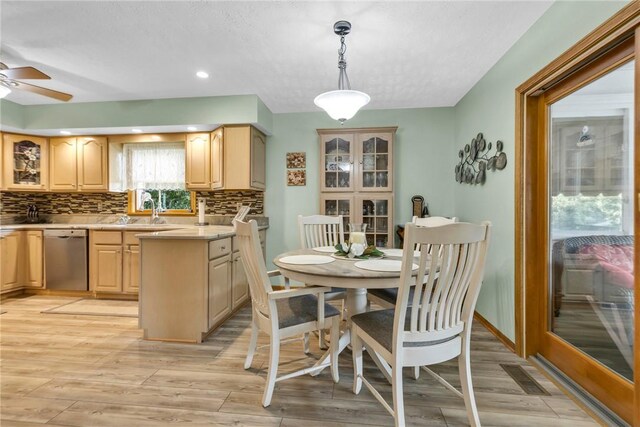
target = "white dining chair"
x: 436, y: 326
x: 282, y: 314
x: 323, y: 230
x: 386, y: 298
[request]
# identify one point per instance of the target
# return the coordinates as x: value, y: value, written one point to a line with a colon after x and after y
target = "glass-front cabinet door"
x: 376, y: 211
x: 337, y: 159
x: 374, y: 161
x: 25, y: 162
x: 338, y: 204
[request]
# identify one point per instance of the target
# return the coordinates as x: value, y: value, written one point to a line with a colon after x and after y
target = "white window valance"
x: 158, y: 166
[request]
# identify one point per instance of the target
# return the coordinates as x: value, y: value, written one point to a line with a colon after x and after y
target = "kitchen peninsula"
x: 192, y: 280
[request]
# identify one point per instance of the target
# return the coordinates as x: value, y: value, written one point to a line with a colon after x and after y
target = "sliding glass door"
x: 587, y: 330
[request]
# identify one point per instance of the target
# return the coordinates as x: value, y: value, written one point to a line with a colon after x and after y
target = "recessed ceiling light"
x: 136, y: 131
x: 202, y: 74
x: 192, y: 128
x: 65, y: 132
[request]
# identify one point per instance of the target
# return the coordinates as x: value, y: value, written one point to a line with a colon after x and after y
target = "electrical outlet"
x: 99, y: 206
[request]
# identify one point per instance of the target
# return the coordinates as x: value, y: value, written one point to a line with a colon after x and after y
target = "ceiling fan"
x: 9, y: 81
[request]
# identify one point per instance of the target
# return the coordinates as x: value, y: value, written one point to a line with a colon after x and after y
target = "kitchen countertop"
x: 170, y: 231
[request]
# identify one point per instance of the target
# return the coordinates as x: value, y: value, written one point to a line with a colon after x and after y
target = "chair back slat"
x: 251, y: 253
x: 320, y: 230
x: 451, y: 267
x: 432, y: 221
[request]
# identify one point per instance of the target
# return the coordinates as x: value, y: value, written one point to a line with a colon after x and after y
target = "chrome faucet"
x: 155, y: 217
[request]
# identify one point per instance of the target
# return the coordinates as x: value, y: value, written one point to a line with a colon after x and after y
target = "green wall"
x: 11, y: 114
x: 151, y: 112
x: 489, y: 107
x: 421, y: 158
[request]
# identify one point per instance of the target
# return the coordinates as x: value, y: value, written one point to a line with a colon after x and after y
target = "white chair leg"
x: 356, y: 351
x: 398, y: 396
x: 253, y: 341
x: 322, y: 340
x: 464, y: 365
x: 335, y: 347
x: 416, y: 372
x: 305, y: 343
x: 274, y: 356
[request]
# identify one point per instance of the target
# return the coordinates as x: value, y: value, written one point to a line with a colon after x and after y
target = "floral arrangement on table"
x: 357, y: 250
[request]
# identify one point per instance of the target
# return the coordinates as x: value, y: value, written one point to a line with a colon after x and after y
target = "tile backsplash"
x: 218, y: 202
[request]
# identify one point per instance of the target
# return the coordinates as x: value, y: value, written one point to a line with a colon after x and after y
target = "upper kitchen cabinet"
x: 93, y: 172
x: 25, y: 162
x: 230, y: 158
x: 198, y: 161
x: 78, y: 164
x: 356, y: 160
x: 244, y: 158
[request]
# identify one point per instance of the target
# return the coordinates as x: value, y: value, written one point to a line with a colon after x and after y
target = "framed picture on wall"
x: 296, y: 177
x: 297, y: 160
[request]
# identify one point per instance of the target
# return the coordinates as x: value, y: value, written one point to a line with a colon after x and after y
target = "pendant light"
x: 344, y: 103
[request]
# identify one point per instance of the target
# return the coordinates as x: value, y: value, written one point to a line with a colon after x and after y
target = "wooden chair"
x: 323, y: 230
x: 386, y: 298
x: 436, y: 326
x: 282, y: 314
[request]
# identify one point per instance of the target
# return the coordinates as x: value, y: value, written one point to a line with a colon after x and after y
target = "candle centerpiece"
x: 356, y: 246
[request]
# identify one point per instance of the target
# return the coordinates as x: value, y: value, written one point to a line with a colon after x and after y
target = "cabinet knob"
x: 222, y: 248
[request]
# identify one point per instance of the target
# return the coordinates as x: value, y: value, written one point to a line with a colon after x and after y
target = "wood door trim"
x: 636, y: 369
x: 530, y: 160
x: 565, y: 358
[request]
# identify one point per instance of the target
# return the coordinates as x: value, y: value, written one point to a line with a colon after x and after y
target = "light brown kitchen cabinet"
x: 131, y: 263
x: 240, y: 287
x: 11, y: 260
x: 26, y: 162
x: 356, y: 179
x: 78, y: 164
x: 63, y: 172
x: 198, y: 161
x: 244, y: 158
x: 217, y: 159
x: 34, y: 259
x: 219, y: 290
x: 93, y: 168
x: 1, y: 162
x: 105, y: 268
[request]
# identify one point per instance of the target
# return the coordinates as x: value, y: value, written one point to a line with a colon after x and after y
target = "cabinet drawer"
x: 130, y: 237
x: 106, y: 238
x: 219, y: 247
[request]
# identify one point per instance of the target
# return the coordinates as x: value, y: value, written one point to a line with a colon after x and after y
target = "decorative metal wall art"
x: 475, y: 159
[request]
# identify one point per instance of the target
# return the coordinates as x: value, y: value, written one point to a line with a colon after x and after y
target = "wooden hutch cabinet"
x: 356, y: 179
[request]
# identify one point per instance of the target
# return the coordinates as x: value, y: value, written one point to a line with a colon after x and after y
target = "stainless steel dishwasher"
x: 65, y: 259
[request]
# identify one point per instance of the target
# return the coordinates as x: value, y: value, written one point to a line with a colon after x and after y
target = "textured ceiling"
x: 403, y: 54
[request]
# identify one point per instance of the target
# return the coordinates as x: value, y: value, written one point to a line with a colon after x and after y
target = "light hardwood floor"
x: 74, y: 370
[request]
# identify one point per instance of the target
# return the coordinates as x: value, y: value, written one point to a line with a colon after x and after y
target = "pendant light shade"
x: 344, y: 103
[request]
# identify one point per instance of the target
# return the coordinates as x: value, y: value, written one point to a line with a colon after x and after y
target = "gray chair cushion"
x: 296, y: 310
x: 379, y: 326
x: 390, y: 294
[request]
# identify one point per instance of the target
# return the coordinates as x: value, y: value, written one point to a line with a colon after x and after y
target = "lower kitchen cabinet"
x: 189, y: 286
x: 131, y: 270
x: 240, y: 287
x: 21, y: 260
x: 219, y: 290
x: 10, y: 259
x: 34, y: 259
x: 114, y: 261
x: 106, y: 268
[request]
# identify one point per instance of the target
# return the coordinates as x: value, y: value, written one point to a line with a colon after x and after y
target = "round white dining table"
x: 341, y: 273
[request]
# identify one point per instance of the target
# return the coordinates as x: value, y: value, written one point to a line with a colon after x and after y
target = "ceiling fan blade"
x: 43, y: 91
x: 24, y: 73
